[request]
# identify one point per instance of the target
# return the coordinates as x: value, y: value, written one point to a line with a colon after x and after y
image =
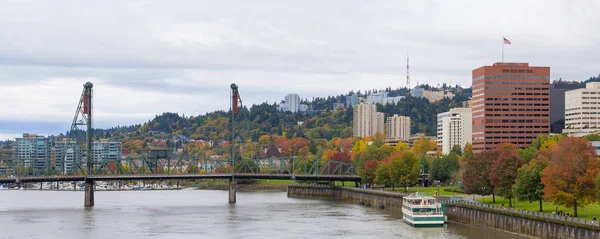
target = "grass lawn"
x: 587, y: 212
x: 429, y: 190
x: 275, y: 182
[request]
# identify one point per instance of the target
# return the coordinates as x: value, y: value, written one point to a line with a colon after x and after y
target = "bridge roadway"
x: 126, y: 177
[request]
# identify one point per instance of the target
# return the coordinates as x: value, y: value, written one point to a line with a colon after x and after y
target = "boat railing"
x: 428, y: 213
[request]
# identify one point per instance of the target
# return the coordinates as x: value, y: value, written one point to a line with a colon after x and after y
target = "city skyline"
x: 145, y: 59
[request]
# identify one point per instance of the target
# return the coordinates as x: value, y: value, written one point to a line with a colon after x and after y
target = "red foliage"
x: 477, y: 171
x: 504, y: 170
x: 341, y: 156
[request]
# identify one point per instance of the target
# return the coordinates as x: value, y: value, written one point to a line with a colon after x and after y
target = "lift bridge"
x: 169, y: 167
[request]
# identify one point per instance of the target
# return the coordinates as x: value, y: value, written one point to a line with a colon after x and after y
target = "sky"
x: 149, y: 57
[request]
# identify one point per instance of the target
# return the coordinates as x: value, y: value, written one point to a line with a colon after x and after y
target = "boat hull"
x: 424, y: 221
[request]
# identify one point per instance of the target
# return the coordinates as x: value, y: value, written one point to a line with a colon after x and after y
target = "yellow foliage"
x: 401, y: 146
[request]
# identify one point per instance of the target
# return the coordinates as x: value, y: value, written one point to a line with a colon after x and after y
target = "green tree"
x: 425, y: 164
x: 382, y: 175
x: 456, y: 150
x: 528, y: 186
x: 404, y: 168
x: 442, y: 169
x: 592, y: 137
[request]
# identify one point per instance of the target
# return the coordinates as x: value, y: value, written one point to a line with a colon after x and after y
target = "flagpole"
x: 503, y: 50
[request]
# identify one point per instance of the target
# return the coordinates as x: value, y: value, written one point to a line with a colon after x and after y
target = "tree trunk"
x: 541, y: 205
x: 493, y: 198
x: 575, y: 209
x: 393, y: 189
x: 509, y: 202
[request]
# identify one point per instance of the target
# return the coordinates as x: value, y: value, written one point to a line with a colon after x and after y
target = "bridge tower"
x: 235, y: 100
x: 83, y: 116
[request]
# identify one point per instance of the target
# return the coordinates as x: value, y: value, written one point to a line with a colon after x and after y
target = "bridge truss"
x: 182, y: 165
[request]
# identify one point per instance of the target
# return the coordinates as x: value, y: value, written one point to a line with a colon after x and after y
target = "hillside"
x: 265, y: 119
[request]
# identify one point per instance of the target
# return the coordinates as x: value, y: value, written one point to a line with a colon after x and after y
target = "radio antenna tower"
x: 407, y: 73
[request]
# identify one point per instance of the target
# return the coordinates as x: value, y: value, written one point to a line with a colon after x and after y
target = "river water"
x: 204, y: 214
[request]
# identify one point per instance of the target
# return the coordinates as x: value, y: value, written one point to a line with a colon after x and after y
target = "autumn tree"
x: 504, y: 172
x: 422, y: 146
x: 359, y: 146
x: 476, y: 174
x: 368, y: 172
x: 569, y: 179
x: 401, y: 146
x: 404, y: 168
x: 528, y: 186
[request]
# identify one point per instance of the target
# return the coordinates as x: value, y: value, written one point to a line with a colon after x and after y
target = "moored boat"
x: 422, y: 210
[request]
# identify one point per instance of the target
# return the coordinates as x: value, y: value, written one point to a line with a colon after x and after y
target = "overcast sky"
x: 148, y: 57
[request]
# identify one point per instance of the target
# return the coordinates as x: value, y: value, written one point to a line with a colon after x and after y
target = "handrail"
x: 521, y: 212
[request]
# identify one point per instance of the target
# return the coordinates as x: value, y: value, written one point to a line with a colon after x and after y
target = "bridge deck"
x: 36, y: 179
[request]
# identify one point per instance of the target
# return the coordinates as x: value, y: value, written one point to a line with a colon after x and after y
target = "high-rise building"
x: 454, y: 128
x: 292, y: 103
x: 35, y: 150
x: 366, y: 120
x: 398, y: 127
x: 581, y: 110
x: 105, y: 151
x: 66, y: 155
x: 557, y: 104
x: 352, y: 100
x: 511, y: 104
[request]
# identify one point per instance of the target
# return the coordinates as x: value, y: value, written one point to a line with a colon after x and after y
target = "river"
x: 204, y: 214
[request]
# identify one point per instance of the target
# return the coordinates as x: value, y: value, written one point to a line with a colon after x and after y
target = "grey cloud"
x: 146, y: 57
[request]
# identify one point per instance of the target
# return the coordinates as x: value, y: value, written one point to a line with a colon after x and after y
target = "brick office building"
x: 511, y: 104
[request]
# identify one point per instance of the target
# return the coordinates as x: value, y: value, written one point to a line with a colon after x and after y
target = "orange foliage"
x: 569, y: 178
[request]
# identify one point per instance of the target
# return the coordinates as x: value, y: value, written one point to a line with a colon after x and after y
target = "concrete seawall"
x: 523, y: 223
x: 356, y: 195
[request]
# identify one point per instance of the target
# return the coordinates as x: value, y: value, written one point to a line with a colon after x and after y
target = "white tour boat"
x: 421, y: 210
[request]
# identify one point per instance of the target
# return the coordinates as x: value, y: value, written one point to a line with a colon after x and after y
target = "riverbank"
x: 588, y: 212
x: 243, y: 185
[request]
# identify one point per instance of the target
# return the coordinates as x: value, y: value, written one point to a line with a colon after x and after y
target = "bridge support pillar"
x: 89, y: 193
x: 232, y: 188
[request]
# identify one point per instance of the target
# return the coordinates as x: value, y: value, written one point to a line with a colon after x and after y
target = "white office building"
x: 454, y: 127
x: 366, y: 120
x: 292, y: 103
x: 67, y: 155
x: 106, y: 151
x: 377, y: 98
x: 582, y: 110
x: 398, y: 128
x: 35, y: 151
